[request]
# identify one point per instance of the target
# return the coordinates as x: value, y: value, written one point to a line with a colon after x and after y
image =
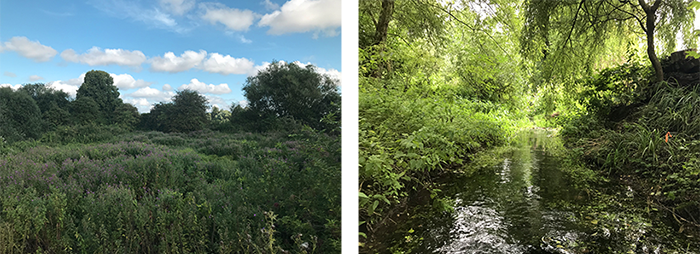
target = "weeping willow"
x: 568, y: 39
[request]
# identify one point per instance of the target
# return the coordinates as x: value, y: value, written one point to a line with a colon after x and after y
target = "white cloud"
x: 138, y: 102
x: 35, y: 78
x: 152, y: 94
x: 333, y: 73
x: 167, y: 87
x: 95, y: 56
x: 145, y: 97
x: 270, y: 5
x: 232, y: 18
x: 216, y: 101
x: 171, y: 63
x: 69, y: 86
x: 259, y: 68
x: 298, y: 16
x: 202, y: 87
x: 29, y: 49
x: 177, y: 7
x: 150, y: 15
x: 147, y: 92
x: 162, y: 18
x: 126, y: 81
x: 217, y: 63
x: 244, y: 40
x: 10, y: 74
x: 243, y: 103
x: 142, y: 104
x: 13, y: 87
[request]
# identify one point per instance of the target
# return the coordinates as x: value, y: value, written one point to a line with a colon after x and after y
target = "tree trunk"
x: 651, y: 25
x: 382, y: 27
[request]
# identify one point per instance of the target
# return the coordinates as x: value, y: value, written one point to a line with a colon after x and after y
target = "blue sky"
x: 154, y: 48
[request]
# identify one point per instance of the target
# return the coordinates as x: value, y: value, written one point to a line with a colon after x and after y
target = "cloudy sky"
x: 154, y: 48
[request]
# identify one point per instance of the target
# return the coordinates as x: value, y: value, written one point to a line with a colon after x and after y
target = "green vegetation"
x: 442, y: 81
x: 648, y: 140
x: 91, y: 175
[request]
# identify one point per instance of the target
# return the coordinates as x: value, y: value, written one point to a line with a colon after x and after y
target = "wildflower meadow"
x: 152, y: 192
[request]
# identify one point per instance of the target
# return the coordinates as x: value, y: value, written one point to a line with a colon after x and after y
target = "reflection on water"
x: 526, y: 204
x: 506, y: 208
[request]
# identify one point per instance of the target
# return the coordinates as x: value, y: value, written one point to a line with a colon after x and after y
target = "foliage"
x: 430, y: 99
x: 53, y: 104
x: 416, y: 19
x: 57, y: 116
x: 406, y: 140
x: 99, y: 86
x: 219, y: 119
x: 566, y: 40
x: 189, y: 112
x: 127, y: 116
x: 654, y: 142
x: 157, y: 119
x: 86, y: 110
x: 83, y: 133
x: 20, y: 116
x: 275, y: 192
x: 289, y: 90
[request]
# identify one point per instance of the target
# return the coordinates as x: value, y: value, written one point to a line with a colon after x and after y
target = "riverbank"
x: 531, y: 197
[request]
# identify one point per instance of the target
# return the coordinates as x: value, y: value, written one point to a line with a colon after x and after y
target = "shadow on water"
x: 514, y: 206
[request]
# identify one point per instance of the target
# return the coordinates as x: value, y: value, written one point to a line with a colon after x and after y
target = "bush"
x: 136, y: 197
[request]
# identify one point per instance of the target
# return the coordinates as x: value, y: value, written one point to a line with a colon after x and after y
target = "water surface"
x: 525, y: 203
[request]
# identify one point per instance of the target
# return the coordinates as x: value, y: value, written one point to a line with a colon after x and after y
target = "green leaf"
x: 363, y: 196
x: 371, y: 209
x: 692, y: 54
x: 694, y: 5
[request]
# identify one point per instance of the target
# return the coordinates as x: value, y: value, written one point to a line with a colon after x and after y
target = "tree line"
x: 282, y: 97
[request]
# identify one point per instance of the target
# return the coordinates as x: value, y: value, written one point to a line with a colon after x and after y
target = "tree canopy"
x: 187, y: 112
x: 99, y: 86
x: 572, y: 37
x: 20, y: 116
x: 289, y: 90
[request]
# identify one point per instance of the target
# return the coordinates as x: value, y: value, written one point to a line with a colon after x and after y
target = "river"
x: 527, y: 201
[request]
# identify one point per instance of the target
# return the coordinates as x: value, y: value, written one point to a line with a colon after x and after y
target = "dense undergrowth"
x: 150, y: 192
x: 408, y: 138
x: 647, y: 135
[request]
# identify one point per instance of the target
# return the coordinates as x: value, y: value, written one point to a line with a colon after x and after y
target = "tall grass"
x: 194, y: 195
x: 658, y: 142
x: 409, y: 137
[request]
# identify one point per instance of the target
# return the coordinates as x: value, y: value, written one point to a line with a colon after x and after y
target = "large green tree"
x: 44, y: 96
x: 99, y: 86
x: 85, y: 110
x: 158, y: 118
x: 289, y: 90
x: 568, y: 38
x: 53, y: 104
x: 189, y: 111
x: 127, y: 116
x: 20, y: 116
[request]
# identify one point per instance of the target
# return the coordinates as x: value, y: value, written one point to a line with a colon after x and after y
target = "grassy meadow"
x: 152, y: 192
